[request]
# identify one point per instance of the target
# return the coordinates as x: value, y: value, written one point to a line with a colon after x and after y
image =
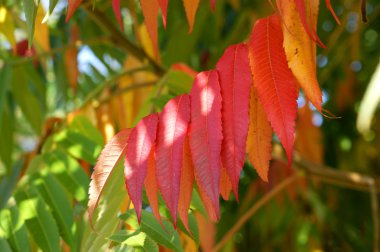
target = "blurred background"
x: 81, y: 82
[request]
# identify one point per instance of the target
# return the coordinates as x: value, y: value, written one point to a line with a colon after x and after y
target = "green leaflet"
x: 8, y: 183
x: 14, y: 230
x: 83, y: 126
x: 167, y: 237
x: 5, y: 80
x: 134, y: 239
x: 7, y: 128
x: 56, y: 197
x: 4, y: 247
x: 69, y: 173
x: 30, y: 9
x: 38, y: 219
x: 105, y: 218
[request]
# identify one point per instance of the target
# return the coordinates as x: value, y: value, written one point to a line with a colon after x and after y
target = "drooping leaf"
x: 259, y: 143
x: 273, y: 80
x: 301, y: 50
x: 186, y: 185
x: 116, y: 11
x: 71, y: 8
x: 4, y: 246
x: 166, y: 236
x: 150, y: 11
x: 206, y: 133
x: 225, y: 184
x: 191, y: 7
x: 140, y: 143
x: 30, y: 9
x: 151, y: 186
x: 172, y: 130
x: 107, y: 161
x: 164, y: 10
x: 235, y: 83
x: 328, y: 4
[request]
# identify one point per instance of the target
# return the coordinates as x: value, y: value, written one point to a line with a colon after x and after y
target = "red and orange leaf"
x: 206, y: 133
x: 71, y: 8
x: 151, y: 186
x: 150, y: 10
x: 307, y: 18
x: 212, y: 212
x: 107, y: 161
x: 186, y: 185
x: 172, y: 130
x: 140, y: 143
x: 116, y: 10
x: 328, y: 4
x: 225, y: 184
x: 191, y: 7
x: 259, y: 143
x: 235, y: 83
x: 164, y: 10
x: 300, y: 51
x: 273, y: 80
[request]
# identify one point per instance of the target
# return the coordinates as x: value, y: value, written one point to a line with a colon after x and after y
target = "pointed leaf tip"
x: 140, y: 143
x: 235, y: 81
x: 116, y: 11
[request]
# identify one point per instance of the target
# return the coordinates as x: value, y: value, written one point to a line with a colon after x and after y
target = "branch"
x: 119, y: 39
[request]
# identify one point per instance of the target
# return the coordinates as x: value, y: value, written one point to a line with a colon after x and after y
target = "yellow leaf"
x: 6, y: 25
x: 41, y: 32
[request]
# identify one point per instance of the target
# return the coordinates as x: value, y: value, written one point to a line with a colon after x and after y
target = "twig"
x: 260, y: 203
x: 118, y: 38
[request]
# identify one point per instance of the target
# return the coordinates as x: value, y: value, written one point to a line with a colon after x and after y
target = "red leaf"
x: 107, y: 161
x: 328, y: 4
x: 308, y: 24
x: 116, y: 10
x: 235, y: 82
x: 71, y: 8
x: 150, y: 12
x: 140, y: 143
x: 164, y: 10
x: 186, y: 188
x: 191, y: 7
x: 273, y: 79
x: 259, y: 144
x: 225, y: 184
x: 213, y: 213
x: 213, y: 5
x: 151, y: 186
x: 174, y: 120
x: 206, y: 133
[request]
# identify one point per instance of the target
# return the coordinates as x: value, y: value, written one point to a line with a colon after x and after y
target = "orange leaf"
x: 206, y: 133
x: 273, y: 80
x: 150, y: 10
x: 186, y: 186
x: 191, y: 7
x: 225, y: 184
x: 300, y: 51
x: 107, y: 161
x: 328, y: 4
x: 71, y: 8
x: 235, y: 82
x: 172, y: 130
x: 151, y: 186
x: 164, y: 10
x: 259, y: 143
x: 140, y: 143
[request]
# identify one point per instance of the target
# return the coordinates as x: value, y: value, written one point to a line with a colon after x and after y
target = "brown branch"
x: 118, y: 38
x: 260, y: 203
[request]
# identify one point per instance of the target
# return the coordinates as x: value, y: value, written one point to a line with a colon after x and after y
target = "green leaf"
x: 179, y: 82
x: 69, y: 173
x: 193, y: 225
x: 78, y: 145
x: 38, y: 219
x: 135, y: 239
x: 167, y: 237
x: 7, y: 128
x: 4, y: 247
x: 105, y: 217
x: 196, y: 203
x: 30, y: 105
x: 8, y: 183
x: 5, y: 80
x: 55, y: 196
x: 83, y: 126
x: 30, y: 9
x: 14, y: 229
